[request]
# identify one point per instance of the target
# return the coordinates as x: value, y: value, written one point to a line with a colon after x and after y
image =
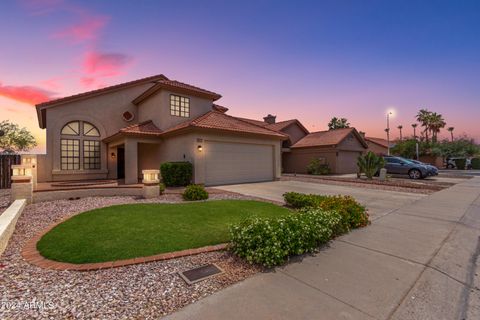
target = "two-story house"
x: 118, y: 131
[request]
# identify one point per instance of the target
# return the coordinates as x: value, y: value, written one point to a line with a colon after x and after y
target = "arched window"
x: 76, y: 135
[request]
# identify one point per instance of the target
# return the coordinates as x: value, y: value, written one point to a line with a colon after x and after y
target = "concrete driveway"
x: 378, y: 202
x: 420, y: 261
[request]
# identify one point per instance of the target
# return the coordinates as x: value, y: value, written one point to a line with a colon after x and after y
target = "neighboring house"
x: 118, y: 131
x: 338, y: 148
x: 378, y: 146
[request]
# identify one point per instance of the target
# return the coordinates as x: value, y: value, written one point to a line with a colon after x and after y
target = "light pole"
x: 388, y: 132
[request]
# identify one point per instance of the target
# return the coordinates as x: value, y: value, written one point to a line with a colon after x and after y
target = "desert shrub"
x: 162, y: 187
x: 195, y: 192
x: 476, y: 163
x: 353, y: 214
x: 176, y: 174
x: 270, y: 241
x: 460, y: 163
x: 300, y: 200
x: 316, y: 167
x: 370, y: 164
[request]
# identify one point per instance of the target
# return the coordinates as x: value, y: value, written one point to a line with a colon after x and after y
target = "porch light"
x: 199, y: 148
x: 113, y: 155
x: 151, y: 176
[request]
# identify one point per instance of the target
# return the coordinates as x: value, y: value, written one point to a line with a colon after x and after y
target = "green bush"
x: 317, y: 168
x: 270, y: 241
x: 476, y: 163
x: 460, y: 163
x: 176, y: 174
x: 353, y: 214
x: 195, y: 192
x: 370, y: 164
x: 161, y: 187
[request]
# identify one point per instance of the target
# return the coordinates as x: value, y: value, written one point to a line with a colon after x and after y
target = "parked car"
x: 432, y: 170
x: 398, y: 165
x: 451, y: 164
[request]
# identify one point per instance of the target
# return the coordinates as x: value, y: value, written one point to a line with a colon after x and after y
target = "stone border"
x: 31, y: 255
x: 8, y: 220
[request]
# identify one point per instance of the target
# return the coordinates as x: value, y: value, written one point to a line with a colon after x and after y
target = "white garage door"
x: 227, y: 163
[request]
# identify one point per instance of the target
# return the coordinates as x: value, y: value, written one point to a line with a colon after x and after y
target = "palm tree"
x: 414, y: 126
x: 436, y: 123
x: 450, y: 129
x: 400, y: 127
x: 424, y: 117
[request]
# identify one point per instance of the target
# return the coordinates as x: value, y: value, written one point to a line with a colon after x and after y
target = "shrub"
x: 317, y: 168
x: 460, y: 163
x: 195, y: 192
x: 353, y: 214
x: 161, y: 187
x: 176, y: 174
x: 476, y: 163
x: 370, y: 164
x: 270, y: 241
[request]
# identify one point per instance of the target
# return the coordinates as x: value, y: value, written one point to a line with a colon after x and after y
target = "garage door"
x: 227, y: 163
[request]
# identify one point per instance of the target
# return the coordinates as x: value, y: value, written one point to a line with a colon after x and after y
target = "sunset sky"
x: 310, y: 60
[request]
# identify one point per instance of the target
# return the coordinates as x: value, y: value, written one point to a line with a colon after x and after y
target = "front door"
x: 120, y: 163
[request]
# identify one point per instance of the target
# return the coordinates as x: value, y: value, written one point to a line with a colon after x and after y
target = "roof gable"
x: 328, y: 138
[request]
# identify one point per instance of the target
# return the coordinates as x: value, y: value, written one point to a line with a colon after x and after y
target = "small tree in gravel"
x: 370, y: 164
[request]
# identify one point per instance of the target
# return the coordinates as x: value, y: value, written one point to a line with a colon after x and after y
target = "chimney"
x: 362, y: 134
x: 269, y: 119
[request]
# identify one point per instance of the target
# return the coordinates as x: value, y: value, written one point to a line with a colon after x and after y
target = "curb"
x: 32, y: 256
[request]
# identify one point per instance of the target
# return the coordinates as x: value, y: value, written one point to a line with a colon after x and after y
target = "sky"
x: 310, y: 60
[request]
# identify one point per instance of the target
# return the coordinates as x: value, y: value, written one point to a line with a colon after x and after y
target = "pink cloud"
x: 88, y: 29
x: 26, y: 94
x: 98, y: 65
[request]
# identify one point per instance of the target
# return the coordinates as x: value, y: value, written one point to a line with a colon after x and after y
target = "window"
x: 91, y: 154
x: 70, y: 154
x: 80, y: 138
x: 89, y: 130
x: 179, y: 106
x: 71, y: 128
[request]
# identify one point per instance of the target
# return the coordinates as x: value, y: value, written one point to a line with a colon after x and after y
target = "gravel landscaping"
x: 4, y: 199
x: 145, y: 291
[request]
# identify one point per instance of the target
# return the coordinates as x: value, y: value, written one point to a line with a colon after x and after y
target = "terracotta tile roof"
x: 255, y: 122
x: 221, y: 121
x: 102, y: 90
x: 147, y: 127
x: 219, y: 108
x: 326, y: 138
x: 379, y: 141
x: 175, y: 86
x: 283, y: 124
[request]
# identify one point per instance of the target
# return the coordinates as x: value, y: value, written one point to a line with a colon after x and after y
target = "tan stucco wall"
x: 351, y: 143
x: 103, y: 111
x: 297, y: 160
x: 347, y: 162
x: 295, y: 133
x: 157, y: 109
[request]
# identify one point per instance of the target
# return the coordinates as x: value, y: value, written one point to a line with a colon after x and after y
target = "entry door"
x: 120, y: 163
x: 229, y: 163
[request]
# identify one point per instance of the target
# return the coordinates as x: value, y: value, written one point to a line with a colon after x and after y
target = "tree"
x: 436, y: 123
x: 14, y: 138
x: 400, y: 127
x: 424, y: 117
x: 450, y: 129
x: 338, y: 123
x: 414, y: 126
x: 370, y: 164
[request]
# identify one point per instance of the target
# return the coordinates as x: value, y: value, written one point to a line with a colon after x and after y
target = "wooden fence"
x: 6, y: 160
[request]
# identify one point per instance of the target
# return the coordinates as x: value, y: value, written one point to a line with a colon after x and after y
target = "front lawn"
x: 139, y: 230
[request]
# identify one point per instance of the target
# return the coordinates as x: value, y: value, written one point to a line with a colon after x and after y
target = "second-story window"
x: 179, y: 106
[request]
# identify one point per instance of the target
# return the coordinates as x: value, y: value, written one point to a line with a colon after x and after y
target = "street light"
x: 388, y: 131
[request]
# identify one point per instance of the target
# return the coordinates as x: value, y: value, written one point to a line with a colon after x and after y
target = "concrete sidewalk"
x: 418, y: 262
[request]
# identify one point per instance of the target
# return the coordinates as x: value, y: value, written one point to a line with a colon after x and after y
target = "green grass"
x: 138, y: 230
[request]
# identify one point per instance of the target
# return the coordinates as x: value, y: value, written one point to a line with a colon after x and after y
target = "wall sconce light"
x: 113, y: 155
x: 199, y: 148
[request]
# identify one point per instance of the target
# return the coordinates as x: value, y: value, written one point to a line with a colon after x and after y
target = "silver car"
x: 397, y: 165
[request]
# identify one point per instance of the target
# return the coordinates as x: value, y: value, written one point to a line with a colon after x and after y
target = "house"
x: 118, y: 131
x: 378, y: 146
x: 339, y: 149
